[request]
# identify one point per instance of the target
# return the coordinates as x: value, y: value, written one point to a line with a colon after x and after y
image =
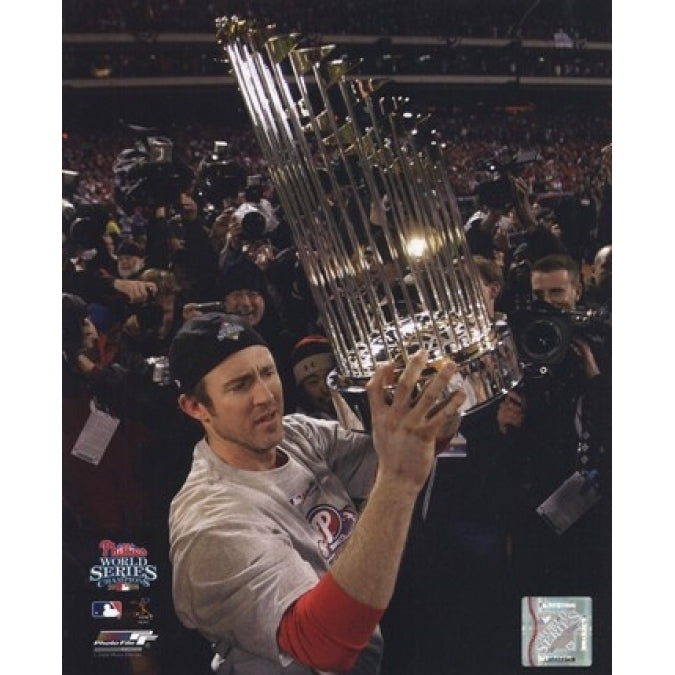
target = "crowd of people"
x: 144, y: 262
x: 478, y: 18
x: 380, y: 58
x: 567, y: 139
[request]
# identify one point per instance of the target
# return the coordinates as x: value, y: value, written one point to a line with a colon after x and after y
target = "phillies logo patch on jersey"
x: 333, y: 525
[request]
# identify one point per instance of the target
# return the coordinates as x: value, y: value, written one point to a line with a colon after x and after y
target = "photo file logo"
x: 125, y: 638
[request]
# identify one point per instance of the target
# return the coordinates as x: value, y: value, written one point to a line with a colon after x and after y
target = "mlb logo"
x: 106, y: 609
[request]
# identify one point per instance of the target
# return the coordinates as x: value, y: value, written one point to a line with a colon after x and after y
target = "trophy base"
x: 485, y: 376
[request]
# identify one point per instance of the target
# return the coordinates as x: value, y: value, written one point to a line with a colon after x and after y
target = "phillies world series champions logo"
x: 123, y: 563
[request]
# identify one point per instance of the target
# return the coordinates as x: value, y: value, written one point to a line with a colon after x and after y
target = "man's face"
x: 248, y: 304
x: 244, y: 419
x: 491, y: 291
x: 557, y: 288
x: 316, y: 388
x: 128, y: 265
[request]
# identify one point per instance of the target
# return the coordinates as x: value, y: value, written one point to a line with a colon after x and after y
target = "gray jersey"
x: 246, y: 544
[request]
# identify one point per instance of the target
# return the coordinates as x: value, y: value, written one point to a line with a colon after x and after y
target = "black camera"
x: 544, y: 333
x: 150, y: 174
x: 219, y: 177
x: 498, y: 192
x: 253, y: 225
x: 150, y: 316
x: 254, y: 189
x: 206, y: 307
x: 160, y: 372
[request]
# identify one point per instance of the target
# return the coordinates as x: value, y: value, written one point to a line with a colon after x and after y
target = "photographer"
x: 246, y: 237
x: 248, y: 230
x: 256, y: 195
x: 558, y: 429
x: 508, y: 220
x: 285, y: 281
x: 151, y: 180
x: 150, y: 326
x: 533, y: 238
x: 478, y: 522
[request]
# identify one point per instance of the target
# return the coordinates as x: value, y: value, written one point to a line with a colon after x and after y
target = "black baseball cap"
x: 205, y: 341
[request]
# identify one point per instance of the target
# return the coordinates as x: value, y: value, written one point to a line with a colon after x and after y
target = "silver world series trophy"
x: 374, y: 219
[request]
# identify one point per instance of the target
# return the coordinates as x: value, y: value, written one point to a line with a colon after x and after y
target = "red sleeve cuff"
x: 326, y: 628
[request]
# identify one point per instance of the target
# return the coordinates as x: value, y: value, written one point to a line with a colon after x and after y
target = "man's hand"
x: 404, y: 435
x: 405, y: 431
x: 221, y: 225
x: 583, y: 349
x: 131, y: 326
x: 135, y: 290
x: 190, y: 311
x: 511, y: 412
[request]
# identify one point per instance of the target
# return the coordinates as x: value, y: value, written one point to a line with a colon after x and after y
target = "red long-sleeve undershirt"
x: 326, y: 628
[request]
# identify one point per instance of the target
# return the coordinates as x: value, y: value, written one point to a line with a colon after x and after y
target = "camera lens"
x: 545, y: 340
x: 253, y: 225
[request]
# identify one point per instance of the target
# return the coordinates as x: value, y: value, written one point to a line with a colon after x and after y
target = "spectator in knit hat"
x: 243, y: 290
x: 88, y: 270
x: 130, y: 259
x: 245, y: 293
x: 312, y: 359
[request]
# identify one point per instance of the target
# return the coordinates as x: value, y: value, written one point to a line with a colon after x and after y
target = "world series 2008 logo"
x: 122, y: 565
